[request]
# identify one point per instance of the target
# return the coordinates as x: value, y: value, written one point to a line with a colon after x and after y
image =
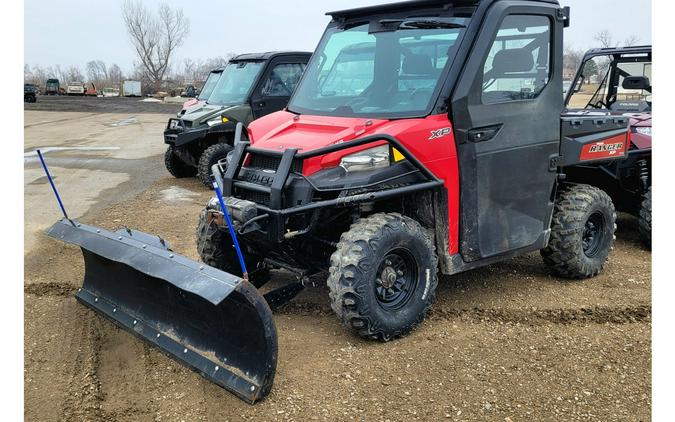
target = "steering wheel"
x: 600, y: 104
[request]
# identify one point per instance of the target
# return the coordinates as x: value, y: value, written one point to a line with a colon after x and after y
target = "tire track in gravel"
x: 51, y: 288
x: 532, y: 316
x: 580, y: 316
x: 83, y: 394
x: 125, y: 378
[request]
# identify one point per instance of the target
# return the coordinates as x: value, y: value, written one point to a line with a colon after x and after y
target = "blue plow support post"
x: 214, y: 322
x: 233, y: 234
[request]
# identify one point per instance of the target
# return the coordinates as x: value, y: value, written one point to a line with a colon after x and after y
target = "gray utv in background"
x: 251, y: 86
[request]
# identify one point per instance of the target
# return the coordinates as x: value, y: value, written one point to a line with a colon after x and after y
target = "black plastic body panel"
x: 578, y: 132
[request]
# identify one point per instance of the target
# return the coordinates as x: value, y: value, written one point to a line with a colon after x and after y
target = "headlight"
x: 217, y: 120
x: 370, y: 159
x: 644, y: 130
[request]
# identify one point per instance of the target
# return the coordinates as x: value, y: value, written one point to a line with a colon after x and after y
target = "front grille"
x: 253, y: 196
x: 266, y: 162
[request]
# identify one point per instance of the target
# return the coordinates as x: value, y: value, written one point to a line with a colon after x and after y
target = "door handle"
x: 260, y: 104
x: 483, y: 134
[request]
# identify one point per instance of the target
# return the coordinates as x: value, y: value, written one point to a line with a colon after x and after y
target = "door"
x: 506, y: 109
x: 276, y: 86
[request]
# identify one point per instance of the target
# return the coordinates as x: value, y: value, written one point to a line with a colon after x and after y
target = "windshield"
x: 601, y: 84
x: 235, y: 83
x: 387, y: 73
x: 210, y: 83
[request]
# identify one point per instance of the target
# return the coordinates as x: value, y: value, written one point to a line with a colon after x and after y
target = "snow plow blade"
x: 214, y: 322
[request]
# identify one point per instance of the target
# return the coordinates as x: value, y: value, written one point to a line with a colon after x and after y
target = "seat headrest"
x: 512, y: 60
x: 418, y: 64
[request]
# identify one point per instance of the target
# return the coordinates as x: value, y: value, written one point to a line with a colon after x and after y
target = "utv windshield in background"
x: 209, y: 85
x: 235, y: 83
x: 392, y: 72
x: 601, y: 84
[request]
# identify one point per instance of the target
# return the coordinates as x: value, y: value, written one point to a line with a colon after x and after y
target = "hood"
x: 201, y: 111
x: 641, y: 120
x: 282, y: 130
x: 641, y: 140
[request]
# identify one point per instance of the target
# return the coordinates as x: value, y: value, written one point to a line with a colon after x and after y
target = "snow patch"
x: 175, y: 193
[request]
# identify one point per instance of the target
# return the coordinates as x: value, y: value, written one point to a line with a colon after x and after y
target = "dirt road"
x: 503, y: 343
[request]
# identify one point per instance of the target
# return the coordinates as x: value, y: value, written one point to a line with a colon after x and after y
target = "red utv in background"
x: 616, y: 81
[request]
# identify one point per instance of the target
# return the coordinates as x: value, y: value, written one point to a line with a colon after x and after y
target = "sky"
x: 73, y: 32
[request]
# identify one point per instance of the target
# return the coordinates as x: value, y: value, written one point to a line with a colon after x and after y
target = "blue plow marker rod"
x: 51, y: 182
x: 231, y: 229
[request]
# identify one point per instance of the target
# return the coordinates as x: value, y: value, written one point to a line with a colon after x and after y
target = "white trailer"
x: 131, y: 89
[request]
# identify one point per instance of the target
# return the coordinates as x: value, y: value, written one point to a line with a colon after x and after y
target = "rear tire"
x: 646, y: 219
x: 582, y: 232
x: 215, y: 249
x: 211, y: 156
x: 176, y: 166
x: 383, y: 276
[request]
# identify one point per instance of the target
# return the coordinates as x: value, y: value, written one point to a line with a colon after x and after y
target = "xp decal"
x: 436, y: 134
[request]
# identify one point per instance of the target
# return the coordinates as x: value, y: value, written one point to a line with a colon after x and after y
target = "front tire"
x: 215, y: 249
x: 176, y: 166
x: 645, y: 223
x: 211, y: 156
x: 383, y: 276
x: 582, y: 232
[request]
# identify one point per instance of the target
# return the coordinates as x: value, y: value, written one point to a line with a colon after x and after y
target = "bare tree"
x: 58, y: 73
x: 632, y: 41
x: 605, y: 39
x: 196, y: 71
x: 39, y: 76
x: 74, y: 74
x: 155, y: 38
x: 97, y: 71
x: 189, y: 70
x: 571, y: 61
x: 115, y: 75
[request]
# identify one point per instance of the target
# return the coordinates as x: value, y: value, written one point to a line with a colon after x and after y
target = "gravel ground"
x: 100, y: 105
x: 504, y: 343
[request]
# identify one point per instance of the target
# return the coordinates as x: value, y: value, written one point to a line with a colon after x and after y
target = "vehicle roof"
x: 268, y: 55
x: 411, y: 5
x: 618, y: 50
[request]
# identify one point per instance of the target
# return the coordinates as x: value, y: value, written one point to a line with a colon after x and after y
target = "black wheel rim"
x: 396, y: 279
x: 594, y: 229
